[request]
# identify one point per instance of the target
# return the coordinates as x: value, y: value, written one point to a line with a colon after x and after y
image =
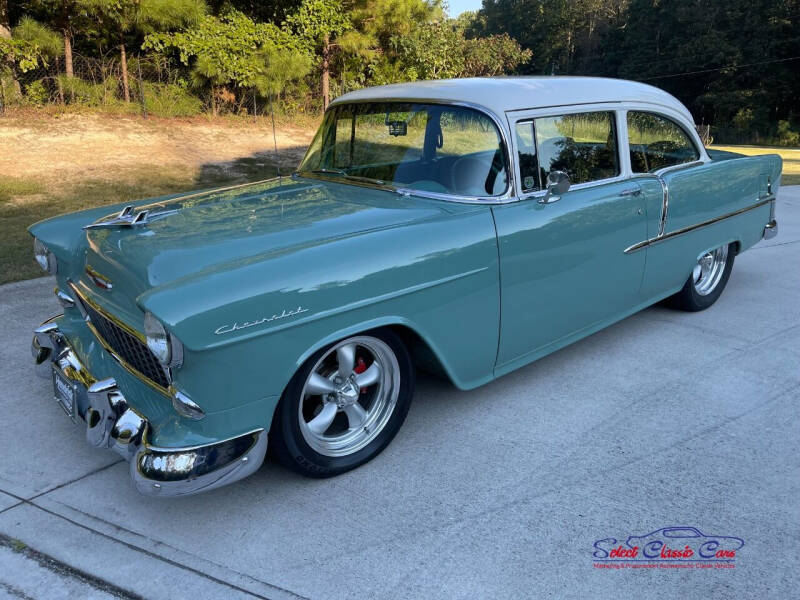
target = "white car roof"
x: 503, y: 94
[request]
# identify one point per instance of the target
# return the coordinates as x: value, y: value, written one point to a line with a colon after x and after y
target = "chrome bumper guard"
x: 770, y: 230
x: 111, y: 423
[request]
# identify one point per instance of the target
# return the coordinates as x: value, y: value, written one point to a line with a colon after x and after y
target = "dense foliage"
x: 733, y: 62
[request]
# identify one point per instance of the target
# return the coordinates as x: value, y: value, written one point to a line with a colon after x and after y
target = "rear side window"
x: 657, y: 142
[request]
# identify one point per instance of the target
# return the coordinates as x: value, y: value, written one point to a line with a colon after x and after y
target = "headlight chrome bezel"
x: 164, y: 346
x: 44, y: 257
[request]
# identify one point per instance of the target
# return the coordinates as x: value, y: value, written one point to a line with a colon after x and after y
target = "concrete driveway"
x: 665, y: 419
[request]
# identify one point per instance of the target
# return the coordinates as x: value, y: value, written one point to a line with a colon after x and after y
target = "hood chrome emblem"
x: 237, y: 326
x: 101, y: 281
x: 126, y: 218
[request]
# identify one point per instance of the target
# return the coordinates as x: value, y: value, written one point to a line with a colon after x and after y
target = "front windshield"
x: 427, y: 147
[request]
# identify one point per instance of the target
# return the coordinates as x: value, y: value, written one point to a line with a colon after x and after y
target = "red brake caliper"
x: 360, y: 368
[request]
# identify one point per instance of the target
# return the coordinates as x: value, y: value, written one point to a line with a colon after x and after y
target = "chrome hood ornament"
x: 126, y: 218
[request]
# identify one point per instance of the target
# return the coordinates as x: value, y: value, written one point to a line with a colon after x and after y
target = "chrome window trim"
x: 504, y: 198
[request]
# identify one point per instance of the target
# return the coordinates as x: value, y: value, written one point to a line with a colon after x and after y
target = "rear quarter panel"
x: 706, y: 192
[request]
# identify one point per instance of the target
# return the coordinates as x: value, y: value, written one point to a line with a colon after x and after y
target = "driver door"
x: 563, y: 269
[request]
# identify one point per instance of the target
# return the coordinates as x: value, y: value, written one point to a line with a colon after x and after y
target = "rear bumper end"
x: 111, y: 423
x: 770, y: 230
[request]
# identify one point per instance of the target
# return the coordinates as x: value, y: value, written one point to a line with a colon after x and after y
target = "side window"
x: 657, y: 142
x: 526, y: 155
x: 583, y: 145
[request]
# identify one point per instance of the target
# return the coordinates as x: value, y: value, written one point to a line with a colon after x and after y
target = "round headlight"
x: 157, y: 339
x: 45, y: 258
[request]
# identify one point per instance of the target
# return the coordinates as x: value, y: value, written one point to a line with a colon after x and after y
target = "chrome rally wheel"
x: 344, y: 405
x: 349, y: 396
x: 708, y: 278
x: 708, y: 272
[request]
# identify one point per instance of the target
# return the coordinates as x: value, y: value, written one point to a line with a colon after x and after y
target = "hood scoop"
x: 126, y: 218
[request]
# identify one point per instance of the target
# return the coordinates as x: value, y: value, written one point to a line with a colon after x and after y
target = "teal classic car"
x: 466, y: 226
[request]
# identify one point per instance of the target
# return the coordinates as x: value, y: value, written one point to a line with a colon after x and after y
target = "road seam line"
x: 63, y: 569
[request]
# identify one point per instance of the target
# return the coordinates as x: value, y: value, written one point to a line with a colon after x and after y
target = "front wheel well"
x: 422, y: 354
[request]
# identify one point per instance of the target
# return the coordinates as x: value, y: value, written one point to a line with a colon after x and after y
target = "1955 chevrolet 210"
x: 469, y: 226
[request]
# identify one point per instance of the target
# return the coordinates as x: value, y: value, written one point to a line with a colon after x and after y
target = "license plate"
x: 64, y: 391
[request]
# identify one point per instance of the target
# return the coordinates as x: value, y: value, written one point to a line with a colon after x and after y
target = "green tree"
x: 140, y: 17
x: 234, y: 50
x: 29, y: 45
x: 497, y: 54
x: 318, y: 23
x: 67, y: 17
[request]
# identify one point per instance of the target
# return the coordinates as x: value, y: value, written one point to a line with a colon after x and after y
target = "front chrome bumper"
x: 111, y: 423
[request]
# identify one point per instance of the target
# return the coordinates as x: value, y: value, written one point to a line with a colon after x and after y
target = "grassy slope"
x: 55, y: 165
x: 791, y: 159
x: 85, y: 179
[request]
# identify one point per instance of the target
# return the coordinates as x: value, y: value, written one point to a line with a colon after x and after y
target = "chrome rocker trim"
x: 112, y: 424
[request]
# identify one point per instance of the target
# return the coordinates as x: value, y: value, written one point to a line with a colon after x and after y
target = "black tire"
x: 289, y: 446
x: 689, y: 299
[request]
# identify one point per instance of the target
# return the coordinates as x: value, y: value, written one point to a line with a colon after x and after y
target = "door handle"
x: 637, y: 191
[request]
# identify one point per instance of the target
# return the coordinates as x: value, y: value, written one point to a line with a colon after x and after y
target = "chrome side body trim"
x: 112, y: 424
x: 662, y: 224
x: 690, y: 228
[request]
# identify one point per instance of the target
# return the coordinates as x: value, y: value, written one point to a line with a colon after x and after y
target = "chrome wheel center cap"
x: 348, y: 392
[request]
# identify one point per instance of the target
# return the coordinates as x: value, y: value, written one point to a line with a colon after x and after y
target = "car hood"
x: 189, y: 235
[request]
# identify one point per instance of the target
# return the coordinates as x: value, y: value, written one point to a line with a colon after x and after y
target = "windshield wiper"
x: 330, y: 172
x: 344, y: 174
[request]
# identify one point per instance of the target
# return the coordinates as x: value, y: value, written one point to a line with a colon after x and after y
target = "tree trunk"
x: 58, y: 81
x: 68, y: 54
x: 214, y: 100
x: 326, y: 72
x: 126, y: 90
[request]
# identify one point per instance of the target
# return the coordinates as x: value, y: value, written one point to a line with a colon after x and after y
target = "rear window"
x: 657, y: 142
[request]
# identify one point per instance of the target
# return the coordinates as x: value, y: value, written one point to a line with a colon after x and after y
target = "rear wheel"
x: 344, y: 405
x: 708, y: 279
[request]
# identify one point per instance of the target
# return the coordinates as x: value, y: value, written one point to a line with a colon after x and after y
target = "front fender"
x: 249, y: 326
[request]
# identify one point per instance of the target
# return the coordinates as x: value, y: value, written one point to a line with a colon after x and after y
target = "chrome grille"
x: 127, y: 346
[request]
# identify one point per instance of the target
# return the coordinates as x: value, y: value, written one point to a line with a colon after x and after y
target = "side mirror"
x: 557, y: 184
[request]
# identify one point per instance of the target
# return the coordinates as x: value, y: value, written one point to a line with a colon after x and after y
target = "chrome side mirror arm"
x: 558, y: 184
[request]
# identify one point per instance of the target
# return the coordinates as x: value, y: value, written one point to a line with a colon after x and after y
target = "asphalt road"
x: 664, y: 419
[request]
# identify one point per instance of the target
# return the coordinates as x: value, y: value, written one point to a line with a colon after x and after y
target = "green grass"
x: 25, y: 201
x: 790, y: 156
